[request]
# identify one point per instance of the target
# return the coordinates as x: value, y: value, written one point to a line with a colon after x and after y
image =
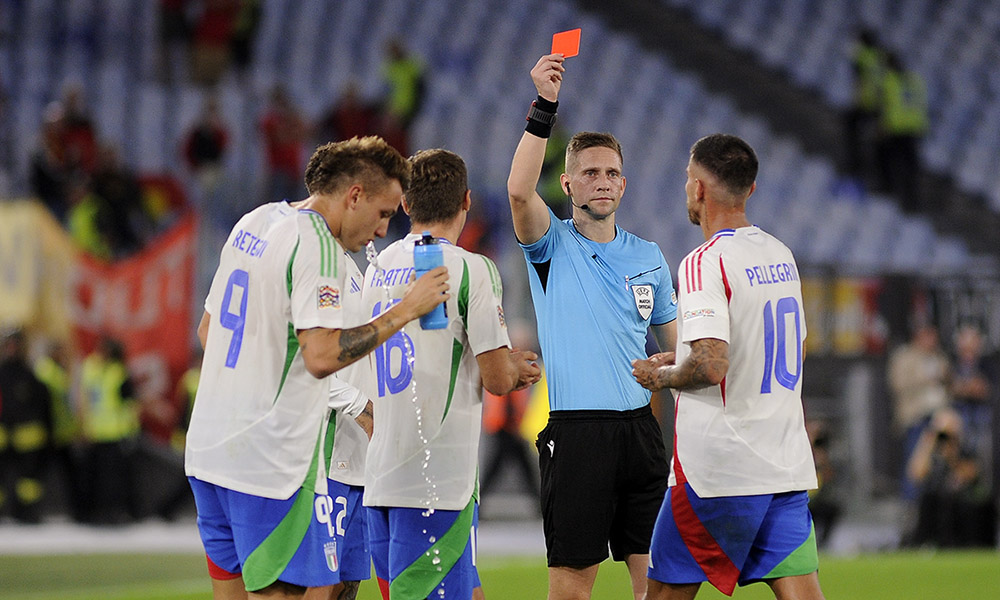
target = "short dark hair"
x: 590, y: 139
x: 370, y: 160
x: 729, y: 159
x: 437, y: 188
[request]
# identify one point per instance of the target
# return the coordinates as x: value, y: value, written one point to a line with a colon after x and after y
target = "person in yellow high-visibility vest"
x: 861, y: 119
x: 110, y: 420
x: 53, y: 370
x: 25, y: 430
x: 903, y: 123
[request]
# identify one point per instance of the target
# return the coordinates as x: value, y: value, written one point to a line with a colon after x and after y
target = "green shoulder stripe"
x: 494, y: 277
x: 329, y: 259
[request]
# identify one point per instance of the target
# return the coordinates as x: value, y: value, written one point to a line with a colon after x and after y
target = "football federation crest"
x: 330, y: 550
x: 328, y: 297
x: 643, y: 299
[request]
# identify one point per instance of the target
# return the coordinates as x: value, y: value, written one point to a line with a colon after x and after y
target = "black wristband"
x: 546, y: 105
x: 541, y: 117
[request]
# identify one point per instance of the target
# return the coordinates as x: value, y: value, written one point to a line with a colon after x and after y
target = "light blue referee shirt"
x: 594, y: 303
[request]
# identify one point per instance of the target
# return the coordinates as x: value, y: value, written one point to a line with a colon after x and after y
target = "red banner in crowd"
x: 145, y: 302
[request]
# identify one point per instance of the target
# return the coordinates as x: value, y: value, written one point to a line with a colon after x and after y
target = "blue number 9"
x: 235, y: 321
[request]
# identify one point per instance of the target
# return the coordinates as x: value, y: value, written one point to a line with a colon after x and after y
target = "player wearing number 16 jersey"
x: 736, y: 506
x: 274, y: 328
x: 422, y: 463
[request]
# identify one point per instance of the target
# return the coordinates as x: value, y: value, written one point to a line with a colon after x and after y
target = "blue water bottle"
x: 427, y: 255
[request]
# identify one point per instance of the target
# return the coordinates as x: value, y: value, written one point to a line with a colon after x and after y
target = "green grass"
x: 909, y: 575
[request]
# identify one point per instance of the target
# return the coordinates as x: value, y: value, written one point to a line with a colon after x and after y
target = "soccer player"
x: 273, y: 330
x: 597, y: 290
x: 421, y: 474
x: 348, y: 429
x: 736, y: 509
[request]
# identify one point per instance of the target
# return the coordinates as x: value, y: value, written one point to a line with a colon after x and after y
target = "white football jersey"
x: 747, y: 435
x: 345, y: 451
x: 428, y: 397
x: 256, y: 426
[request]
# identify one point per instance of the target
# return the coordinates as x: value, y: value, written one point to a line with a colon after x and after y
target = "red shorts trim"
x: 217, y: 572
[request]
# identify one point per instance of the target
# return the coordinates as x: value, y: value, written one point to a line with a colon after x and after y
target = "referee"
x: 597, y: 290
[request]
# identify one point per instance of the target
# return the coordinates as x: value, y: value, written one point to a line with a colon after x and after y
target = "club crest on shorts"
x: 643, y: 294
x: 330, y: 550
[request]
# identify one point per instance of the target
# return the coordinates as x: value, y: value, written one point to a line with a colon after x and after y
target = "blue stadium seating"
x: 478, y: 55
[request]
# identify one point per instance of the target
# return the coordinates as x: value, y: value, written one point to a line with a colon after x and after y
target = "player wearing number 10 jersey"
x: 736, y: 506
x: 274, y: 328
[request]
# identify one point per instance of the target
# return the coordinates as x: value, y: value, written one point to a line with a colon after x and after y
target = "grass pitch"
x: 909, y: 575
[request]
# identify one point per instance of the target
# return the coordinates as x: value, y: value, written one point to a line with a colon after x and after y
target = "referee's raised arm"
x: 531, y: 216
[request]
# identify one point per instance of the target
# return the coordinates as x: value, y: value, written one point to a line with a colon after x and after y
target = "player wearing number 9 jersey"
x: 274, y: 328
x: 736, y: 506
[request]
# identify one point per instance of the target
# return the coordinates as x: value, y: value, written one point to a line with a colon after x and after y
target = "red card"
x: 566, y: 43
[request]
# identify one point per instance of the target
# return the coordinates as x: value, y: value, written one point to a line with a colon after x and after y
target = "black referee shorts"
x: 604, y: 476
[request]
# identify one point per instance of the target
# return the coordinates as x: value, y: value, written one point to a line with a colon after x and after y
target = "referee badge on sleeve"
x: 643, y: 294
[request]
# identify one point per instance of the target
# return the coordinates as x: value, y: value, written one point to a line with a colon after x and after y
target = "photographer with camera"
x: 954, y: 505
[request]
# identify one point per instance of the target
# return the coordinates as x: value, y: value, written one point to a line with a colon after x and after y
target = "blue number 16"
x: 776, y: 359
x: 235, y: 321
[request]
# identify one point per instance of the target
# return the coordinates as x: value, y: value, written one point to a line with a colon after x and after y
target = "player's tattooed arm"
x: 367, y: 419
x: 357, y: 341
x: 707, y: 365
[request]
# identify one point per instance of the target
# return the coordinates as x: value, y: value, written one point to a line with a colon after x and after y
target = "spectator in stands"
x: 973, y: 385
x: 244, y: 32
x: 48, y: 171
x: 284, y: 132
x: 918, y: 376
x: 174, y: 38
x: 205, y: 146
x: 110, y: 420
x: 350, y: 116
x: 404, y: 79
x: 212, y: 41
x: 955, y: 507
x: 904, y: 122
x: 85, y: 219
x: 79, y: 135
x: 861, y: 119
x: 122, y: 216
x: 53, y: 369
x: 25, y: 431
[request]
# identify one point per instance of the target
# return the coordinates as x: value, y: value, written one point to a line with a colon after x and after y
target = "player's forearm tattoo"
x: 705, y: 366
x: 357, y: 341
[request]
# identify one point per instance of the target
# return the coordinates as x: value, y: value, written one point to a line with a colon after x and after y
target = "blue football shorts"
x: 268, y: 540
x: 732, y: 539
x: 353, y: 553
x: 418, y: 554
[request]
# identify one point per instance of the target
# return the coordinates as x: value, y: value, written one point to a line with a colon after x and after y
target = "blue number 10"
x: 235, y: 321
x: 776, y: 360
